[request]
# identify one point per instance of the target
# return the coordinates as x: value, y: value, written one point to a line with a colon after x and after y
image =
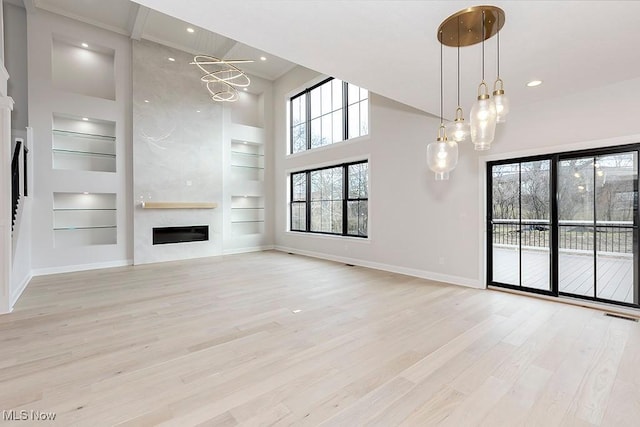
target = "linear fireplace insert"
x: 191, y: 233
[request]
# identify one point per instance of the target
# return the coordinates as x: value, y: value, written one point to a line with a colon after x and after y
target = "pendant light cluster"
x: 466, y: 28
x: 442, y: 155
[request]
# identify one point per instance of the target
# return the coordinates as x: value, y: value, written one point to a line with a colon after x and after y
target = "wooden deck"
x: 615, y: 273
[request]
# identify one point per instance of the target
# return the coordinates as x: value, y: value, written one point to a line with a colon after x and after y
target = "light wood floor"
x: 220, y: 342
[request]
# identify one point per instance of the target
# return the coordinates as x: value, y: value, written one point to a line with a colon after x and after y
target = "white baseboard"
x: 246, y: 250
x: 81, y: 267
x: 429, y: 275
x: 16, y: 293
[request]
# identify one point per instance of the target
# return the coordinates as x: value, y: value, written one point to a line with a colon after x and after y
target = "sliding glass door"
x: 566, y: 224
x: 520, y: 226
x: 597, y: 204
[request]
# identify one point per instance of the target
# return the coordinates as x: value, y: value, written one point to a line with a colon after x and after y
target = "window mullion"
x: 345, y: 111
x: 308, y: 202
x: 307, y: 102
x: 345, y: 195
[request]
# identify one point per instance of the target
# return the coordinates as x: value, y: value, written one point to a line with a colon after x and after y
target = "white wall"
x: 244, y: 111
x: 603, y: 112
x: 435, y: 229
x: 406, y: 206
x: 45, y: 99
x: 87, y: 71
x: 1, y: 32
x: 15, y: 47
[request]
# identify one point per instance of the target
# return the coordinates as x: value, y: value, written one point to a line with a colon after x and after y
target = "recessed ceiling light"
x: 171, y: 59
x: 534, y: 83
x: 577, y: 175
x: 190, y: 30
x: 146, y: 100
x: 86, y: 119
x: 245, y: 89
x: 263, y: 58
x: 85, y: 45
x: 85, y: 192
x: 197, y: 111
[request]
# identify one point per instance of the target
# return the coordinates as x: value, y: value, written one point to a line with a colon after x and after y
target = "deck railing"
x: 610, y: 236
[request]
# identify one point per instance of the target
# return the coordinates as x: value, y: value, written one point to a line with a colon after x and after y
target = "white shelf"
x: 83, y: 145
x: 247, y: 161
x: 84, y: 219
x: 82, y: 135
x: 247, y: 228
x: 247, y: 215
x: 178, y: 205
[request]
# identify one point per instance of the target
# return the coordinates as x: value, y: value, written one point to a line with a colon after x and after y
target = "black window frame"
x: 555, y: 159
x: 307, y: 110
x: 25, y: 170
x: 345, y: 199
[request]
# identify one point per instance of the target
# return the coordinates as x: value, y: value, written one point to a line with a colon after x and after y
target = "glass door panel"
x: 616, y: 189
x: 535, y: 208
x: 576, y: 226
x: 506, y: 223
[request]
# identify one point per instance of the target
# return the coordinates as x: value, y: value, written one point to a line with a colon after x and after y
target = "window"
x: 331, y: 200
x: 329, y: 112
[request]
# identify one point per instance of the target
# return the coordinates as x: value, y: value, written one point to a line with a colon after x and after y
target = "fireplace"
x: 191, y: 233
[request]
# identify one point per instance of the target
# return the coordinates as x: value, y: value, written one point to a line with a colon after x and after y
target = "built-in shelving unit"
x: 247, y: 161
x: 246, y: 210
x: 84, y: 219
x: 85, y: 145
x: 247, y: 215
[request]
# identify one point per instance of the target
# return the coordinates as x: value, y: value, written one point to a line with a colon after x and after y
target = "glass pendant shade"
x: 501, y: 101
x: 442, y: 155
x: 459, y: 130
x: 483, y: 120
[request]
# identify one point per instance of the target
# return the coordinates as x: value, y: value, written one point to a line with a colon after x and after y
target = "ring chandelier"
x: 221, y: 77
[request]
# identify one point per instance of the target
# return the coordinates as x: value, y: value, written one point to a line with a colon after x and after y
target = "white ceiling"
x: 390, y: 47
x: 128, y: 18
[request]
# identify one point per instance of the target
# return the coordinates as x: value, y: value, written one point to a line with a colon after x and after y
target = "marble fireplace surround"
x: 177, y: 154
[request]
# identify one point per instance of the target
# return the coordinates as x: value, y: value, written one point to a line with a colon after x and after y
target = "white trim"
x: 429, y: 275
x: 554, y: 149
x: 307, y: 85
x: 4, y: 74
x: 81, y: 267
x: 18, y: 292
x: 6, y: 102
x: 30, y: 6
x: 335, y: 145
x: 247, y: 250
x: 335, y: 237
x: 329, y: 164
x: 139, y: 21
x: 482, y: 196
x: 609, y: 308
